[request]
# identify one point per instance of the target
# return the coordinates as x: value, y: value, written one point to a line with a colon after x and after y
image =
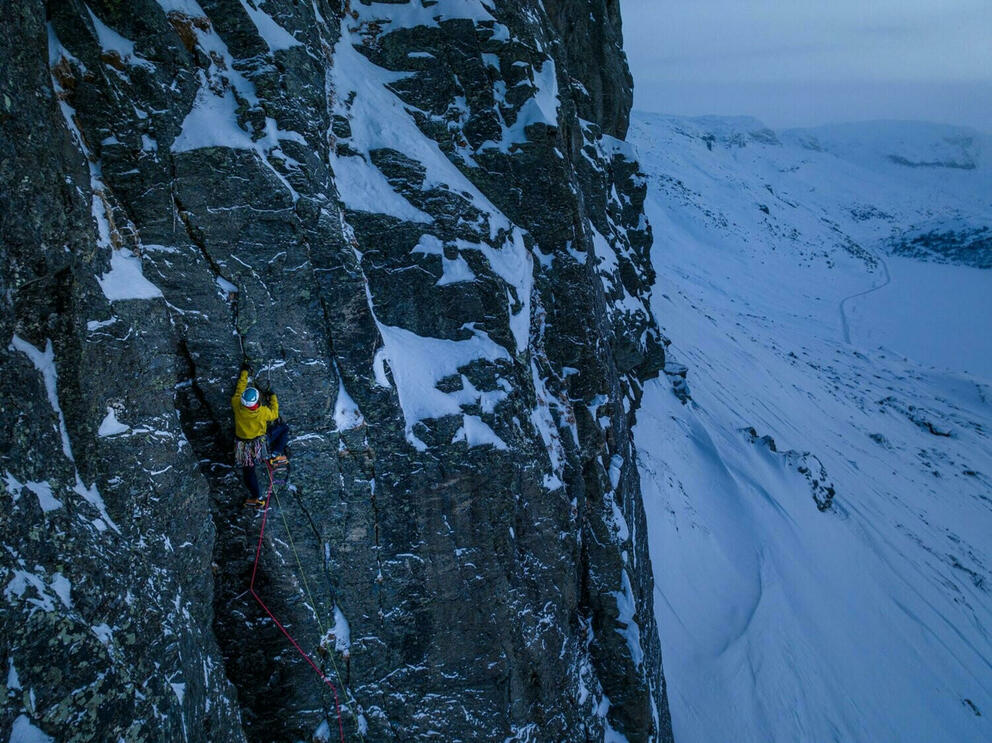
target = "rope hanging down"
x: 313, y: 604
x: 245, y: 317
x: 254, y: 593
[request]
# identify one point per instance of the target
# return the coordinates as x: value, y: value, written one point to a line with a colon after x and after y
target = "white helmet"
x: 250, y: 398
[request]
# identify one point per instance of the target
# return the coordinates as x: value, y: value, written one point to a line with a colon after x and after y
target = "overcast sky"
x: 807, y: 62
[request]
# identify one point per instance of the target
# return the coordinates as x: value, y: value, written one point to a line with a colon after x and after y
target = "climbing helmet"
x: 249, y: 398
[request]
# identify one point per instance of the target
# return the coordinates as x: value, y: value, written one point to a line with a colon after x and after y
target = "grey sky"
x: 799, y: 62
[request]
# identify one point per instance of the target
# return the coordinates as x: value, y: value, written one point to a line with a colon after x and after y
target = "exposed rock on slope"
x: 425, y: 225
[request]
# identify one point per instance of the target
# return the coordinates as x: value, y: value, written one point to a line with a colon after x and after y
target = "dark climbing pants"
x: 251, y: 480
x: 278, y: 437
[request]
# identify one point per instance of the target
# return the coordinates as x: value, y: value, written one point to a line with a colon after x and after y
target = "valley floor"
x: 937, y: 314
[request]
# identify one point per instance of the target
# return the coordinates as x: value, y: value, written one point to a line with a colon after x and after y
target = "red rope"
x: 251, y: 587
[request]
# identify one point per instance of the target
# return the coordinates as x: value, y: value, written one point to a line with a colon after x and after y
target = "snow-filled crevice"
x: 380, y: 122
x: 44, y: 363
x: 125, y: 279
x: 253, y: 648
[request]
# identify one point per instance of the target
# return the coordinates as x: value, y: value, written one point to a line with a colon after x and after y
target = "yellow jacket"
x: 250, y: 424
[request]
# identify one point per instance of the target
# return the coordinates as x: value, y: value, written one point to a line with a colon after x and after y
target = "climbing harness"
x: 248, y: 452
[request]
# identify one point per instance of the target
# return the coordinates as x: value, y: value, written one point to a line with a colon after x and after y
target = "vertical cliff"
x: 422, y: 222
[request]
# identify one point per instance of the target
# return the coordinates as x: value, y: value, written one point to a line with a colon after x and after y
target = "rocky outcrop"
x: 419, y: 221
x: 966, y: 245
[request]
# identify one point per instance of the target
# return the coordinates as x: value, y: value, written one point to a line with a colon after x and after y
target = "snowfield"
x: 820, y: 512
x: 937, y: 314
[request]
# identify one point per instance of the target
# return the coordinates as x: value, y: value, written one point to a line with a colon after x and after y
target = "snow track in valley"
x: 843, y: 314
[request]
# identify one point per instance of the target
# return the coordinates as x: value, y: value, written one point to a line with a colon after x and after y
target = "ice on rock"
x: 428, y: 245
x: 514, y: 263
x: 379, y: 120
x: 212, y: 122
x: 213, y: 119
x: 271, y: 32
x: 418, y: 14
x: 111, y: 426
x: 616, y: 468
x: 454, y: 271
x: 540, y: 108
x: 14, y: 488
x: 616, y: 518
x: 475, y: 432
x: 24, y: 581
x: 112, y: 41
x: 13, y: 680
x: 44, y: 362
x: 629, y: 627
x: 607, y: 263
x: 103, y: 632
x: 190, y: 8
x: 63, y: 589
x: 323, y: 732
x: 341, y: 631
x: 227, y: 288
x: 542, y: 420
x: 364, y: 188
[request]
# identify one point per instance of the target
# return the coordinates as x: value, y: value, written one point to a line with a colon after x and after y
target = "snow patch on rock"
x: 125, y: 280
x: 346, y: 413
x: 24, y: 731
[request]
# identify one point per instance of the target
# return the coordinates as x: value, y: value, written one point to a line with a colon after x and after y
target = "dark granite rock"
x: 428, y: 233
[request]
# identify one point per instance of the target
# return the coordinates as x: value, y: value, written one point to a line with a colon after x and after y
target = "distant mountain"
x: 906, y: 143
x: 817, y: 467
x: 901, y: 187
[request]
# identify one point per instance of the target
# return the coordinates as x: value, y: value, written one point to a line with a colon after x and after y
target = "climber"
x: 257, y: 428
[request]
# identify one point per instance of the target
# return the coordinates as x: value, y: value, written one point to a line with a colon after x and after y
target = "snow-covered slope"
x: 820, y: 510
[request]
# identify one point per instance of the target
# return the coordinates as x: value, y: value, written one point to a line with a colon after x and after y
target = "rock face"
x: 423, y: 226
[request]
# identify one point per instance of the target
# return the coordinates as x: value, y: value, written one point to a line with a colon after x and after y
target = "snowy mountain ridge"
x: 905, y: 143
x: 877, y: 185
x: 819, y: 508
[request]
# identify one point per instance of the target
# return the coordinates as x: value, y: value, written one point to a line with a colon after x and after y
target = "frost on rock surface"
x: 420, y: 223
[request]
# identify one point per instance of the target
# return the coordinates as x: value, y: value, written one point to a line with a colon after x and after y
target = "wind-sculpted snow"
x: 818, y: 508
x: 395, y: 211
